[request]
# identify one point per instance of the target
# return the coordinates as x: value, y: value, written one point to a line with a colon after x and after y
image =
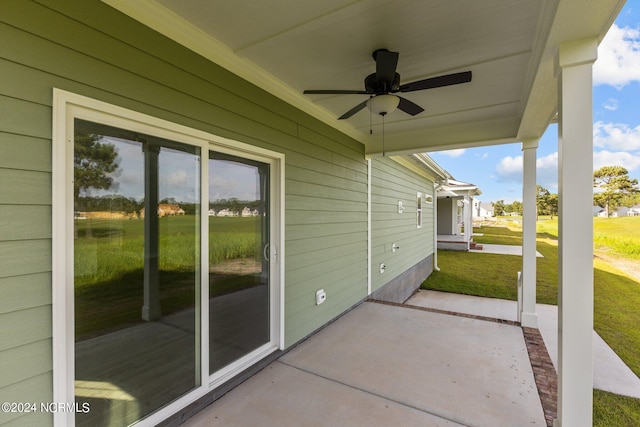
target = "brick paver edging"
x: 543, y: 371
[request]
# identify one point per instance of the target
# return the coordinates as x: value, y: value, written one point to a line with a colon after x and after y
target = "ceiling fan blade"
x: 335, y: 92
x: 386, y: 63
x: 409, y: 107
x: 433, y: 82
x: 353, y: 110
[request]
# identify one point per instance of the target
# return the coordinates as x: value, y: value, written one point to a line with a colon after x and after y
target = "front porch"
x: 457, y: 242
x: 382, y: 365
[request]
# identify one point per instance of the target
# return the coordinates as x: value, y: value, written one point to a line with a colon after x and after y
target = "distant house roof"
x: 454, y: 188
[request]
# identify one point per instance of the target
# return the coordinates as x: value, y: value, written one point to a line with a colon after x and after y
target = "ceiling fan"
x: 386, y: 81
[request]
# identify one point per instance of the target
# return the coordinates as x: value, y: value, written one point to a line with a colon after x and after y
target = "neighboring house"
x: 634, y: 210
x: 165, y: 209
x: 455, y: 213
x: 620, y: 211
x: 226, y: 212
x: 598, y: 211
x: 248, y: 212
x: 482, y: 210
x: 220, y: 108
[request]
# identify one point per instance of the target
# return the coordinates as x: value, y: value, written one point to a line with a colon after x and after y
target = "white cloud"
x: 509, y: 169
x: 611, y: 104
x: 547, y: 171
x: 618, y: 62
x: 618, y: 136
x: 620, y: 158
x: 548, y: 162
x: 452, y: 153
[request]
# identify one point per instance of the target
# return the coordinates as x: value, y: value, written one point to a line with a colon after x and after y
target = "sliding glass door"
x: 239, y: 273
x: 136, y: 272
x: 166, y: 268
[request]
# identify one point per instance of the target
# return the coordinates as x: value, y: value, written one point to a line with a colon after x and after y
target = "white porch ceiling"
x: 287, y: 46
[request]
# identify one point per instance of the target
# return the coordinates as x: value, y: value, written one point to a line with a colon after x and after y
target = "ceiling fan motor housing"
x: 374, y: 87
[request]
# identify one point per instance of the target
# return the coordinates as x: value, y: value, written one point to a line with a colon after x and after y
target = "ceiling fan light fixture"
x: 383, y: 104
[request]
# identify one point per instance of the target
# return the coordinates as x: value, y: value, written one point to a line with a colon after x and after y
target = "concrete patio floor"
x: 382, y: 365
x: 610, y: 373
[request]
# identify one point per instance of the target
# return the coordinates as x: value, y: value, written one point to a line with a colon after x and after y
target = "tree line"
x: 613, y: 188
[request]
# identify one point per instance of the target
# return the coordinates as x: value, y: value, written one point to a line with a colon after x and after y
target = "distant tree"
x: 614, y: 184
x: 189, y: 208
x: 552, y: 205
x: 498, y: 208
x: 629, y: 200
x: 515, y: 207
x: 93, y: 161
x: 111, y: 202
x: 169, y: 201
x: 542, y: 200
x: 546, y: 202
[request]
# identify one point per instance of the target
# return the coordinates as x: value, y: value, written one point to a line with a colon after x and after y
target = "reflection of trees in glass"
x: 93, y: 161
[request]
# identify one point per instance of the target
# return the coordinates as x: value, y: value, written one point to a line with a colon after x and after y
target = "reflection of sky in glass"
x: 178, y: 175
x: 233, y: 180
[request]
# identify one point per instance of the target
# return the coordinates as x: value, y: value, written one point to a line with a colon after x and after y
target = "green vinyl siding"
x: 93, y: 50
x: 35, y: 388
x: 390, y: 183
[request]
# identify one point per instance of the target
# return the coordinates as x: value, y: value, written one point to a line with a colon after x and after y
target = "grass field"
x: 109, y: 266
x: 618, y: 235
x: 616, y: 295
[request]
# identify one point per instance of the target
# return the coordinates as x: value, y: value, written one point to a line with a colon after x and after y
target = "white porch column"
x: 466, y: 218
x: 575, y: 249
x: 529, y: 316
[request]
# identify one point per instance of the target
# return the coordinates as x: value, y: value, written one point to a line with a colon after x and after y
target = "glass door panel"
x: 136, y: 275
x: 238, y: 258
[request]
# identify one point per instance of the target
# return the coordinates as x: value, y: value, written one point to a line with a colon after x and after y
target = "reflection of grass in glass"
x: 109, y: 266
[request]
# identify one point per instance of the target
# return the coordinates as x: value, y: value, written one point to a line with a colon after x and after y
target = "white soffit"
x: 286, y: 47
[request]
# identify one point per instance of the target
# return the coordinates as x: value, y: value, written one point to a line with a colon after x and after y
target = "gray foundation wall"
x: 403, y: 286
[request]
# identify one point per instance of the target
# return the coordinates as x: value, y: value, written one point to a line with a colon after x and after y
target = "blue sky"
x: 497, y: 170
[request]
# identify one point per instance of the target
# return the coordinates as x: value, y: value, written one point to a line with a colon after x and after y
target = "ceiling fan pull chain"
x: 383, y: 151
x: 370, y: 124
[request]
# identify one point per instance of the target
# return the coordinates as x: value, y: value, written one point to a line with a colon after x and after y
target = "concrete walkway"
x: 502, y: 250
x: 610, y: 373
x: 383, y: 365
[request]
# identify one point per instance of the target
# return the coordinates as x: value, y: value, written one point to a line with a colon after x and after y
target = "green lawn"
x: 621, y: 236
x: 616, y: 295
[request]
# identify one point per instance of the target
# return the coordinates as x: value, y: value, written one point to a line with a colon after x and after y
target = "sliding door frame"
x: 69, y: 106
